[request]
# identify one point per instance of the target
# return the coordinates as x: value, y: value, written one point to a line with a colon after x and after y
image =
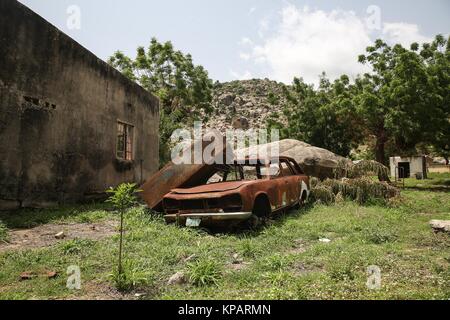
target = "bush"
x: 247, y: 248
x: 362, y: 190
x: 3, y: 232
x: 204, y: 272
x: 379, y: 234
x: 273, y: 99
x: 75, y: 246
x: 131, y: 276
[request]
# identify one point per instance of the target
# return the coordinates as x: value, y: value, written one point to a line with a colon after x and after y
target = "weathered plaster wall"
x: 416, y: 165
x: 59, y: 107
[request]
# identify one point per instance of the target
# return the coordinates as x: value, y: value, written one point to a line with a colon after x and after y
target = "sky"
x: 245, y: 39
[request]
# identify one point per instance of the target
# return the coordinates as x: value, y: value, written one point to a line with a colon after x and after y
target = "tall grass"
x: 361, y: 190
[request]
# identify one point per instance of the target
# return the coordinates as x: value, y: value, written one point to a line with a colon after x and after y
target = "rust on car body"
x: 181, y: 175
x: 251, y: 187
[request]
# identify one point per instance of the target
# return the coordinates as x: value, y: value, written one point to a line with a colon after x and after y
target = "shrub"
x: 379, y: 233
x: 361, y: 190
x: 204, y: 272
x: 342, y: 271
x: 131, y: 276
x: 363, y: 168
x: 122, y: 198
x: 3, y: 232
x: 247, y: 248
x: 272, y: 99
x: 74, y: 246
x: 322, y: 194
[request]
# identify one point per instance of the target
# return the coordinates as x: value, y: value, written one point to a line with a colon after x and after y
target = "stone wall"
x: 59, y: 108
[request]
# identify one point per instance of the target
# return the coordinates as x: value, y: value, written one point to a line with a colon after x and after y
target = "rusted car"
x: 245, y: 190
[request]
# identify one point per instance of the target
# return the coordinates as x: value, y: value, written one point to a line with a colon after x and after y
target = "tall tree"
x: 437, y: 59
x: 322, y: 117
x: 397, y: 99
x: 184, y: 89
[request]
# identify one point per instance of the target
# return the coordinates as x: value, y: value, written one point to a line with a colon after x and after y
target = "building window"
x: 124, y: 141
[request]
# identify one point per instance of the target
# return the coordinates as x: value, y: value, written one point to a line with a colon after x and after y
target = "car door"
x: 291, y: 186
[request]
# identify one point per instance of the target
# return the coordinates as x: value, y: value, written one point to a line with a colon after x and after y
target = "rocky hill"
x: 245, y: 104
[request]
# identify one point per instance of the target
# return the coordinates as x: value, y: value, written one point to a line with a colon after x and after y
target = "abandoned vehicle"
x: 70, y: 125
x: 235, y: 193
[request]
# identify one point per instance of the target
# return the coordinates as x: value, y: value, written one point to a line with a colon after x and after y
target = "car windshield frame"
x: 237, y: 169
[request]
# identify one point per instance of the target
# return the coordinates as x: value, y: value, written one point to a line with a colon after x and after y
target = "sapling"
x: 122, y: 198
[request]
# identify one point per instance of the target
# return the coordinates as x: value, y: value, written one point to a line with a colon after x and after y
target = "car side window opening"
x: 296, y: 167
x: 286, y: 169
x: 258, y: 171
x: 270, y: 171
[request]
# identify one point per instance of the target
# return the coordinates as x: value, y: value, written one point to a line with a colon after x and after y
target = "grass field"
x: 284, y: 260
x: 435, y: 181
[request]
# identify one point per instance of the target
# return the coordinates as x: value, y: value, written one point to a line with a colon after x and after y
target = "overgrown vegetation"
x: 184, y: 89
x: 400, y: 105
x: 3, y: 232
x: 204, y: 272
x: 122, y: 198
x: 284, y: 260
x: 354, y: 181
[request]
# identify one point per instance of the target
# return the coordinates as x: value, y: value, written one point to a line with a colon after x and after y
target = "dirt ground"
x: 44, y: 235
x: 440, y: 169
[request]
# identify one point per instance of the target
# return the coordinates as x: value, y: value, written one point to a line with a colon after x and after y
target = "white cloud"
x: 245, y: 56
x: 306, y: 42
x: 403, y: 33
x: 245, y: 41
x: 264, y: 25
x: 251, y: 11
x: 241, y: 76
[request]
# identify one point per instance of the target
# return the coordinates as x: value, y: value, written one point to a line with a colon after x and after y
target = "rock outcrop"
x: 316, y: 162
x: 246, y: 104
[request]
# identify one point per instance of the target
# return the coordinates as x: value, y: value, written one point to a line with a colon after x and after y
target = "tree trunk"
x: 380, y: 155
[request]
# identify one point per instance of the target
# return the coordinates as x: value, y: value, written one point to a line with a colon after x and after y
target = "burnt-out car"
x: 236, y: 193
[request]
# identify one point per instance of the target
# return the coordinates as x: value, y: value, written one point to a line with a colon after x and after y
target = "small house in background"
x: 408, y: 167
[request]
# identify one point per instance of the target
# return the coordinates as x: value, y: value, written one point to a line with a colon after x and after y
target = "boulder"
x: 440, y: 225
x: 227, y: 99
x: 177, y: 279
x: 314, y: 161
x: 240, y: 123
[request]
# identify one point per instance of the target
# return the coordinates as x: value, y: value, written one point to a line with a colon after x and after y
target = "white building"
x: 407, y: 167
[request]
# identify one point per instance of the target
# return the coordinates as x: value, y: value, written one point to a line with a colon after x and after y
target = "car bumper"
x: 208, y: 217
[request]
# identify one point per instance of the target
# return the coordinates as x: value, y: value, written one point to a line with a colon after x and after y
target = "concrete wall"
x: 59, y: 107
x: 416, y: 165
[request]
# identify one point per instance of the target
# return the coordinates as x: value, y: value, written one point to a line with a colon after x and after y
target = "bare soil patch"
x: 44, y: 235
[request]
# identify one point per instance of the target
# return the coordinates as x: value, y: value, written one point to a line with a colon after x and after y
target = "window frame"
x: 127, y: 134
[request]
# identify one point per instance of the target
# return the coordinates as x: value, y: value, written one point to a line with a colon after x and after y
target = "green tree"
x: 184, y: 89
x: 437, y: 59
x: 397, y: 101
x: 322, y: 117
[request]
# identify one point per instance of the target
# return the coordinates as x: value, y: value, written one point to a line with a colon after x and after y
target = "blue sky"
x: 240, y: 39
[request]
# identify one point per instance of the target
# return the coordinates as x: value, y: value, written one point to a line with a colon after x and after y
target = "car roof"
x: 260, y: 159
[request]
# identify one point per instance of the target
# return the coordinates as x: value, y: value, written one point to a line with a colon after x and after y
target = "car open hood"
x: 213, y: 187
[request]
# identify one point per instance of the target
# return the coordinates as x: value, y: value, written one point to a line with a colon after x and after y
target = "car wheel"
x: 301, y: 200
x: 261, y: 208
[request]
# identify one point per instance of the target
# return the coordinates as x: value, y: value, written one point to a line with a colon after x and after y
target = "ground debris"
x: 176, y: 279
x: 60, y: 235
x: 440, y: 225
x: 27, y: 275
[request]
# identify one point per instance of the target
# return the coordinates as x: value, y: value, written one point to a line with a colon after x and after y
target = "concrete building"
x: 408, y: 167
x: 70, y: 125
